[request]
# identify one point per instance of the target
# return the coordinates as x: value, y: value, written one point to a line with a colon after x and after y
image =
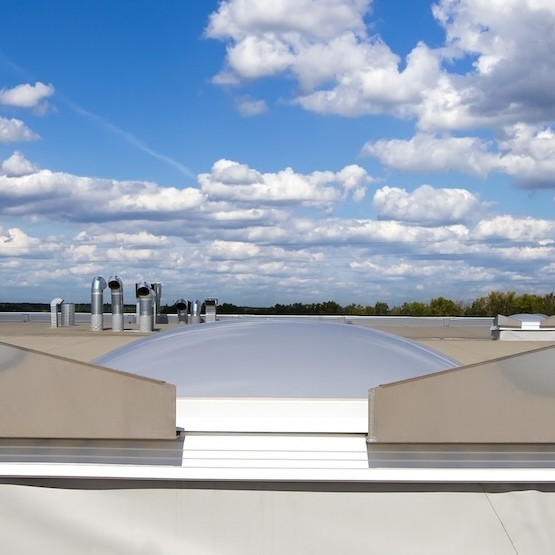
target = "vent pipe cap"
x: 115, y: 283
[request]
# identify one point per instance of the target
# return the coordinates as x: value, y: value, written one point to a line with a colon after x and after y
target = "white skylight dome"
x: 276, y: 358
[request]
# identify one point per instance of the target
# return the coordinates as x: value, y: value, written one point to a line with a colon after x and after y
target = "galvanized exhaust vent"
x: 116, y: 287
x: 97, y: 303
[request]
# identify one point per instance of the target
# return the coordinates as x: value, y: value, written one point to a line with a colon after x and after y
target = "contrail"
x: 131, y: 139
x: 12, y: 65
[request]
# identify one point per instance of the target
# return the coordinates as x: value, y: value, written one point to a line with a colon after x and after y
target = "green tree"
x: 529, y: 304
x: 355, y: 310
x: 414, y: 308
x: 381, y: 309
x: 330, y: 307
x: 441, y: 306
x: 548, y: 304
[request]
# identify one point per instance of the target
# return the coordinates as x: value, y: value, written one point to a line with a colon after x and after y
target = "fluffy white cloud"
x: 233, y: 173
x: 377, y: 84
x: 512, y: 45
x: 232, y: 250
x: 26, y: 95
x: 430, y: 153
x: 426, y: 205
x: 342, y: 69
x: 61, y: 195
x: 221, y: 240
x: 321, y: 42
x: 14, y: 130
x: 320, y: 19
x: 516, y: 229
x: 126, y: 256
x: 139, y: 239
x: 522, y: 151
x: 15, y: 242
x: 256, y: 31
x: 236, y: 182
x: 490, y: 30
x: 528, y: 154
x: 17, y: 165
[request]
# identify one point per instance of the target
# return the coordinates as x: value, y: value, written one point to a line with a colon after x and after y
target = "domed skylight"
x: 276, y: 358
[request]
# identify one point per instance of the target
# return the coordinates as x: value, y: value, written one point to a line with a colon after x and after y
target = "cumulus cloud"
x: 512, y: 48
x: 317, y: 18
x: 14, y: 130
x: 246, y: 230
x: 341, y: 68
x: 17, y: 165
x: 524, y: 152
x: 325, y: 45
x: 265, y: 37
x: 232, y: 250
x: 62, y: 195
x: 27, y: 96
x: 516, y: 229
x: 15, y: 242
x: 232, y: 181
x: 431, y: 153
x: 377, y: 84
x: 426, y: 205
x: 528, y: 154
x: 355, y: 179
x: 139, y: 239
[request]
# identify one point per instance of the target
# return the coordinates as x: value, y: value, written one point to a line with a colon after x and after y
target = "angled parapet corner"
x: 507, y: 400
x: 46, y: 396
x: 548, y: 322
x: 506, y: 322
x: 501, y: 322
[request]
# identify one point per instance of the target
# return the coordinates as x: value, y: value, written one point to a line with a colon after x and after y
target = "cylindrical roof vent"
x: 54, y: 311
x: 145, y: 297
x: 210, y: 305
x: 97, y: 303
x: 68, y: 314
x: 195, y: 313
x: 116, y: 287
x: 182, y: 311
x: 143, y: 289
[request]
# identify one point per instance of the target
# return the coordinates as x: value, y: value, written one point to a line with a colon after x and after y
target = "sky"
x: 277, y: 151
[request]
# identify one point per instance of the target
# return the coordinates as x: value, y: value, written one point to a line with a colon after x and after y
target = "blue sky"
x: 267, y: 151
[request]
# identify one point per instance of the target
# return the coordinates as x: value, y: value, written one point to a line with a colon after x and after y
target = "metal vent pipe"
x: 116, y: 287
x: 210, y: 305
x: 54, y: 311
x: 157, y: 290
x: 68, y: 314
x: 195, y: 313
x: 145, y: 298
x: 182, y: 311
x: 97, y: 303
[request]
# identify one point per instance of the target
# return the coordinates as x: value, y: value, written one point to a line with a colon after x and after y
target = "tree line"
x: 496, y: 302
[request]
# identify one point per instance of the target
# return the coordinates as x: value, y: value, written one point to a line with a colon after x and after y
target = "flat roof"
x: 468, y: 344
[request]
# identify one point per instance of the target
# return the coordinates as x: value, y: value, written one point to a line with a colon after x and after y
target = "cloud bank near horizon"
x: 240, y: 226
